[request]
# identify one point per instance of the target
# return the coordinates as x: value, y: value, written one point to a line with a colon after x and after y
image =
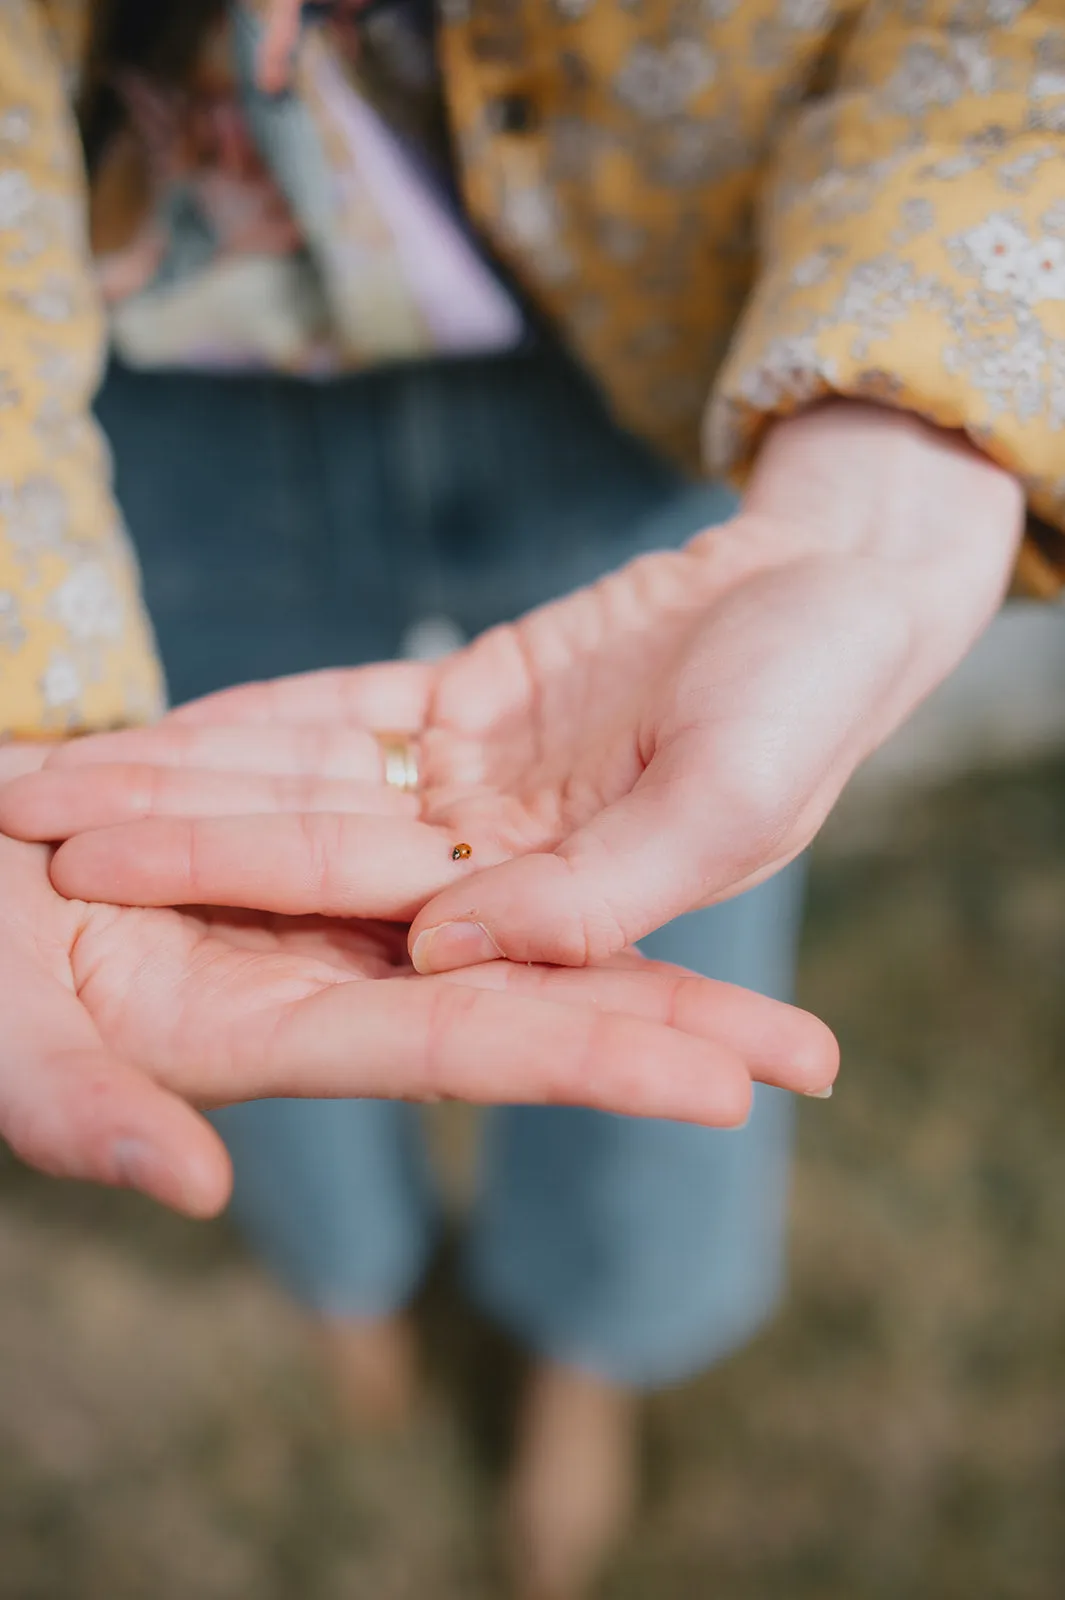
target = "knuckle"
x: 737, y: 1098
x: 28, y: 1131
x: 451, y: 1009
x: 65, y: 1132
x: 320, y: 842
x: 588, y: 930
x: 149, y: 789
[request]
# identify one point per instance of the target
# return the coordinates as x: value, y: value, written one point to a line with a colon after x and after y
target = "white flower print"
x: 1047, y: 118
x: 1048, y: 80
x: 1018, y: 173
x: 660, y: 83
x: 791, y: 370
x: 916, y: 216
x: 951, y: 167
x: 16, y: 198
x: 1056, y: 390
x: 15, y: 126
x: 974, y: 14
x: 976, y: 65
x: 924, y: 77
x: 1005, y: 369
x: 1047, y: 85
x: 1008, y: 262
x: 531, y: 221
x: 530, y: 214
x: 813, y: 269
x: 61, y: 686
x: 696, y: 150
x: 931, y: 75
x: 997, y: 246
x: 804, y: 16
x: 12, y: 633
x: 57, y: 426
x: 88, y: 604
x: 58, y: 368
x: 876, y: 294
x: 35, y: 514
x: 53, y: 300
x: 1046, y: 264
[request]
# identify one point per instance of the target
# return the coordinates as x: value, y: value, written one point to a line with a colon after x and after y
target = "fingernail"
x: 818, y: 1094
x: 453, y: 944
x: 136, y: 1165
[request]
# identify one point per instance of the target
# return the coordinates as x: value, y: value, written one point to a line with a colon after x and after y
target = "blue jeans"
x: 284, y: 526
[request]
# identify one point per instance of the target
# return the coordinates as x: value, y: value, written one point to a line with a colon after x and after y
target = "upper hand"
x: 666, y: 738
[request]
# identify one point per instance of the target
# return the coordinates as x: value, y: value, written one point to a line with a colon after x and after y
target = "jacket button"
x: 513, y: 113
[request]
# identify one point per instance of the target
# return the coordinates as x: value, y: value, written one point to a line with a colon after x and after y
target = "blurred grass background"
x: 899, y: 1433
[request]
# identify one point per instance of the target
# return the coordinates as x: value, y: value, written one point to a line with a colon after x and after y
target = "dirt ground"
x: 898, y: 1435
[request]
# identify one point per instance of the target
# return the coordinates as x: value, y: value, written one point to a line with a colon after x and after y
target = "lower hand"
x: 118, y: 1023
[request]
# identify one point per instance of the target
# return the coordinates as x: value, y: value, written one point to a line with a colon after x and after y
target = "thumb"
x: 780, y: 697
x: 72, y: 1109
x: 674, y: 842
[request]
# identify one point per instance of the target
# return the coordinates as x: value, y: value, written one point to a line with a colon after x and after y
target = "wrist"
x: 849, y: 478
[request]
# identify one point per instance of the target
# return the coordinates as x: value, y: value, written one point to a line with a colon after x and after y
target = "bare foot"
x: 371, y: 1363
x: 573, y: 1485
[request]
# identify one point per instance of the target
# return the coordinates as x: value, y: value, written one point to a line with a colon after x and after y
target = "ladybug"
x: 462, y: 852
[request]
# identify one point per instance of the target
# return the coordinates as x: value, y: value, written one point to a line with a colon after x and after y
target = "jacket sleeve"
x: 912, y: 247
x: 75, y: 646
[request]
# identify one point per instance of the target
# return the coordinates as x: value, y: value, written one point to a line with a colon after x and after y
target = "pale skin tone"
x: 118, y: 1021
x: 655, y: 743
x: 664, y: 739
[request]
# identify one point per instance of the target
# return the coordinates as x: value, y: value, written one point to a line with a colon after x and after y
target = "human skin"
x: 664, y: 739
x: 659, y: 741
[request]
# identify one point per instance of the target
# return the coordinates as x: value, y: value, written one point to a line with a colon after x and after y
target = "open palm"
x: 665, y: 738
x: 118, y: 1021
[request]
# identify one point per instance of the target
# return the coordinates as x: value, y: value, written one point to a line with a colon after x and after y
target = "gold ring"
x: 400, y: 754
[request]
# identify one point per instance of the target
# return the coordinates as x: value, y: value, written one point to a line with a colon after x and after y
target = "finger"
x: 427, y: 1039
x: 596, y: 895
x: 312, y: 751
x: 332, y: 865
x: 674, y: 842
x: 778, y: 1043
x: 388, y: 695
x: 778, y: 702
x: 17, y: 758
x: 59, y: 802
x: 72, y: 1109
x: 280, y: 33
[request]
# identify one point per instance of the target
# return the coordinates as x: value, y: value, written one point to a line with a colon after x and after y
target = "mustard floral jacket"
x: 728, y: 208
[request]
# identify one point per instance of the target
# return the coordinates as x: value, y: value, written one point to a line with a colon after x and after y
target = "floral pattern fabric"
x: 727, y: 208
x: 75, y: 646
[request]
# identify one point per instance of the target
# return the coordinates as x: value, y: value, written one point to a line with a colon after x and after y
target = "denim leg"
x: 335, y: 1197
x: 248, y: 573
x: 641, y: 1249
x: 647, y: 1250
x: 283, y: 528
